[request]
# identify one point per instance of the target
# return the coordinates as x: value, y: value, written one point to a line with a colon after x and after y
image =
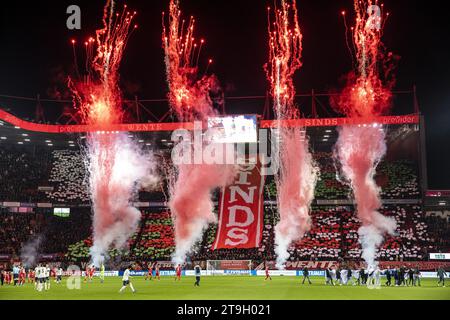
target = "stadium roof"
x: 12, y: 135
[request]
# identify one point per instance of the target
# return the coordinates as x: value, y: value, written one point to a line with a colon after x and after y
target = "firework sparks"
x: 359, y: 149
x: 368, y: 92
x: 190, y: 98
x: 115, y: 164
x: 297, y: 178
x: 189, y: 94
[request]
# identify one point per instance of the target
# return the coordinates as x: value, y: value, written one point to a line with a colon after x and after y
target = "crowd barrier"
x: 259, y: 273
x: 191, y: 273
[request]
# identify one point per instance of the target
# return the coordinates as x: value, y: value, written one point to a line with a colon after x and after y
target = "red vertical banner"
x: 241, y: 211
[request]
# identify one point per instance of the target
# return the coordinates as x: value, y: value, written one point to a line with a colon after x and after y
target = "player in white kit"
x: 355, y: 277
x: 41, y: 277
x: 36, y: 278
x: 59, y: 273
x: 374, y: 280
x: 126, y: 281
x: 344, y: 278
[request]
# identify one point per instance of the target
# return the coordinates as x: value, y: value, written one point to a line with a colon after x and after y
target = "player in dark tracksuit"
x: 198, y: 273
x: 441, y: 274
x: 363, y: 276
x: 401, y: 277
x: 395, y: 272
x: 417, y: 276
x: 411, y: 276
x: 388, y: 277
x: 338, y: 276
x: 306, y: 275
x: 329, y: 277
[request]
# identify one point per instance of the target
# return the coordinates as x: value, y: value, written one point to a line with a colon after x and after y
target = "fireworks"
x: 189, y: 93
x: 368, y: 91
x: 285, y: 49
x: 99, y: 98
x: 297, y: 178
x: 190, y: 98
x: 114, y: 162
x: 359, y: 149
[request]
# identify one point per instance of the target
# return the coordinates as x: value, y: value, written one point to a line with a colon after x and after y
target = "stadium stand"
x: 21, y: 172
x: 67, y: 177
x: 439, y: 226
x: 58, y: 232
x: 155, y: 240
x: 333, y: 235
x: 16, y: 229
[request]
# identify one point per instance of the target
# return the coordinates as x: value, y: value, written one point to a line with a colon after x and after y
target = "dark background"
x: 36, y: 54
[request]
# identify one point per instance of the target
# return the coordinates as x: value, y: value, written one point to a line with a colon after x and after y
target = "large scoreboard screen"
x: 233, y: 129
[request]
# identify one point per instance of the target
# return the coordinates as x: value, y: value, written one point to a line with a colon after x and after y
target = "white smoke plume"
x: 117, y: 169
x: 30, y: 251
x: 359, y: 150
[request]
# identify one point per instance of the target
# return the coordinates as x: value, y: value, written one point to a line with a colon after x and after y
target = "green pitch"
x: 225, y: 287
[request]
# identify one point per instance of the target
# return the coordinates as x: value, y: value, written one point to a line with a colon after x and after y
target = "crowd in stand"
x: 59, y: 232
x: 412, y: 239
x: 398, y: 179
x: 440, y: 228
x: 21, y: 172
x: 156, y: 237
x: 402, y: 179
x: 67, y: 178
x: 334, y: 235
x: 55, y: 233
x: 15, y: 230
x: 323, y: 241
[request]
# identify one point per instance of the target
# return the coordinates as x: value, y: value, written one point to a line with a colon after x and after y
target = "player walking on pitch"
x: 37, y: 274
x: 22, y: 276
x: 306, y: 275
x: 387, y: 272
x: 198, y: 273
x: 150, y: 272
x: 178, y: 273
x: 126, y: 281
x: 417, y: 276
x: 59, y: 273
x: 267, y: 274
x: 157, y: 272
x: 441, y: 274
x: 329, y: 277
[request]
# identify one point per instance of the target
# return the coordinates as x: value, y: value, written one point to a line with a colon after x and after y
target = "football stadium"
x: 208, y: 195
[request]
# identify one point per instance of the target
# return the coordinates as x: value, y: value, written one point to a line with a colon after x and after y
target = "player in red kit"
x: 157, y: 272
x: 150, y: 272
x: 53, y: 273
x: 178, y: 273
x: 8, y: 277
x: 92, y: 272
x: 31, y: 276
x: 22, y: 276
x: 267, y: 274
x: 88, y: 274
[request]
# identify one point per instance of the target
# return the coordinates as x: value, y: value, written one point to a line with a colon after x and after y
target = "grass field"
x: 226, y: 288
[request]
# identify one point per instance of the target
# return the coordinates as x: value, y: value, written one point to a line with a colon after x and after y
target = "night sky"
x: 36, y: 54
